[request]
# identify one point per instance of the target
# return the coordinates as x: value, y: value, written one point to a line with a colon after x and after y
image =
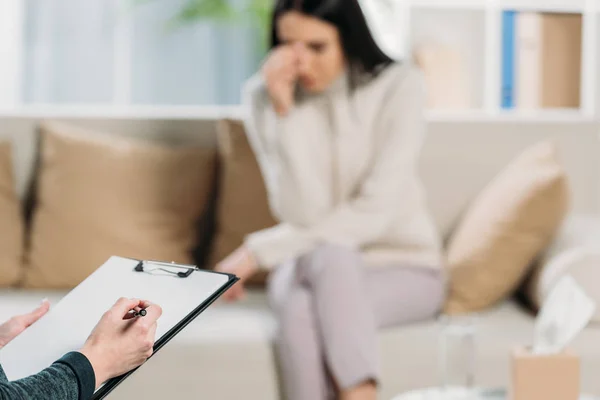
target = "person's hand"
x: 280, y: 72
x: 242, y: 264
x: 121, y: 342
x: 14, y: 326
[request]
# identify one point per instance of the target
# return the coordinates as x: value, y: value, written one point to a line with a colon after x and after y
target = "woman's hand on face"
x: 280, y: 72
x: 242, y: 264
x: 14, y: 326
x: 121, y: 342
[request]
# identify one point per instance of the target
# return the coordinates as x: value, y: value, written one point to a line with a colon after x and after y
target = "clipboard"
x: 182, y: 291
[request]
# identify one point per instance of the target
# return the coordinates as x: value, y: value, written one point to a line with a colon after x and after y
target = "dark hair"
x: 365, y: 58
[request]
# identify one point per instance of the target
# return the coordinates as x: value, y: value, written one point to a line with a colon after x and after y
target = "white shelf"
x: 124, y: 112
x: 446, y: 4
x: 558, y: 6
x: 517, y: 116
x: 237, y: 112
x: 561, y: 6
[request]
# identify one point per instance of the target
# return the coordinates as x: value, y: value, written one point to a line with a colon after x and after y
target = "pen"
x: 140, y: 313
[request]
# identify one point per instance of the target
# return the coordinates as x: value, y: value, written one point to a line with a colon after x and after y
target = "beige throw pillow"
x: 242, y: 201
x: 505, y: 228
x: 11, y: 222
x: 101, y: 195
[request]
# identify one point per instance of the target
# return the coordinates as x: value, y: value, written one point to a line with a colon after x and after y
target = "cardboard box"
x: 544, y: 377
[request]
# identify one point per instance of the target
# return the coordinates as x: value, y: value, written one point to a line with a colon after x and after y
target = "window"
x: 110, y: 52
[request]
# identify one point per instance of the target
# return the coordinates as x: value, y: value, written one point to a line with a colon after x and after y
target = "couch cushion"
x: 460, y: 156
x: 242, y: 200
x: 234, y: 341
x: 410, y: 354
x: 505, y: 228
x: 99, y: 196
x: 11, y: 222
x: 227, y: 342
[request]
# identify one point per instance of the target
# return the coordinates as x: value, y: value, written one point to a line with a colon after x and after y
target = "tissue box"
x: 544, y: 377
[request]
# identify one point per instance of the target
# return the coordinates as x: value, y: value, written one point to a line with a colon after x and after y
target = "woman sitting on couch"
x: 337, y: 128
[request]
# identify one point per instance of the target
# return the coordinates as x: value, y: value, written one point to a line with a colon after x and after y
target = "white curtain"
x: 11, y: 52
x: 74, y: 54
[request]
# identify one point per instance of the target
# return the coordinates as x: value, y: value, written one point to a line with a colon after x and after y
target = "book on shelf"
x: 541, y: 60
x: 508, y: 60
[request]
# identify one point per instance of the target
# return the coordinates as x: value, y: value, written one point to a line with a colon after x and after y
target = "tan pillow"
x: 242, y: 201
x: 506, y: 227
x: 11, y: 222
x: 100, y: 195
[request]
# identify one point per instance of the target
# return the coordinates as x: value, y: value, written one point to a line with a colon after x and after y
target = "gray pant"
x: 329, y: 307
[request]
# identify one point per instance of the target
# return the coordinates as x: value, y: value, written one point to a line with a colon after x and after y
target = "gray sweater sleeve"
x: 70, y: 378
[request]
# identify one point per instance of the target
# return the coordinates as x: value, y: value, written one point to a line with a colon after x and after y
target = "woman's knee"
x: 328, y: 261
x: 434, y: 286
x: 294, y: 313
x: 280, y: 284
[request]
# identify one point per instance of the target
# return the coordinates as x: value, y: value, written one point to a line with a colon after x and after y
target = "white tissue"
x: 565, y: 313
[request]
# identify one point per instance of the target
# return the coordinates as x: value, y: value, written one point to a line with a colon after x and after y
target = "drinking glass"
x: 457, y: 355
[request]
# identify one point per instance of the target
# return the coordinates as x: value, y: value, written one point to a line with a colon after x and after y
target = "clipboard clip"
x: 153, y: 266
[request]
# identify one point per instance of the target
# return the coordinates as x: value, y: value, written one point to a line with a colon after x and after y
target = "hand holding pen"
x: 118, y: 343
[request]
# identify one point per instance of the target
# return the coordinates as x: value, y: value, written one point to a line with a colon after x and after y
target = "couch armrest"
x: 578, y: 230
x: 574, y: 251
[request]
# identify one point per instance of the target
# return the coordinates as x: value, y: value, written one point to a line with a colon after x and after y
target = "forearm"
x: 70, y: 378
x: 272, y: 246
x: 349, y: 225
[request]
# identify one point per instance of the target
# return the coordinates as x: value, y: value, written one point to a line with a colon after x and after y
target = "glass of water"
x: 457, y: 355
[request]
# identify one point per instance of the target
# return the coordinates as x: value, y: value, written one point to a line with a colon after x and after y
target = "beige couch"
x: 227, y: 353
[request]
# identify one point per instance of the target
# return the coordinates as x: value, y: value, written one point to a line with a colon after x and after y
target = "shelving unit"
x: 473, y: 26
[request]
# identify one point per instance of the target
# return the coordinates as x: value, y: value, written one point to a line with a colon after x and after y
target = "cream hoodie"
x: 341, y: 168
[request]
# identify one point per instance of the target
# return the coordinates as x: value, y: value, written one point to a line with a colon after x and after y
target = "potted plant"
x: 255, y: 12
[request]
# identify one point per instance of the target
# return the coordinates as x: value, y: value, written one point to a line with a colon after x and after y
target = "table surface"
x: 462, y: 394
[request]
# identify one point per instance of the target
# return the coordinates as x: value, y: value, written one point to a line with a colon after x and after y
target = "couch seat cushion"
x: 410, y: 358
x: 227, y: 343
x: 233, y: 342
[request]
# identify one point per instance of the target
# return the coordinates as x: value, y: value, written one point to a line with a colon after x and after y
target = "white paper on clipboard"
x: 68, y: 324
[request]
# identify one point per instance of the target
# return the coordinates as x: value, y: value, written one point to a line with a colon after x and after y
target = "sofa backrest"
x: 458, y: 160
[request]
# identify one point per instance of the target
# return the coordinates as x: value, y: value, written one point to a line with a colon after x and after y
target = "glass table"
x: 463, y: 394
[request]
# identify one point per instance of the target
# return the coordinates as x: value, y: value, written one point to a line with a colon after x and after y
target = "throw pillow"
x: 11, y: 222
x: 101, y: 195
x: 242, y: 206
x: 505, y: 228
